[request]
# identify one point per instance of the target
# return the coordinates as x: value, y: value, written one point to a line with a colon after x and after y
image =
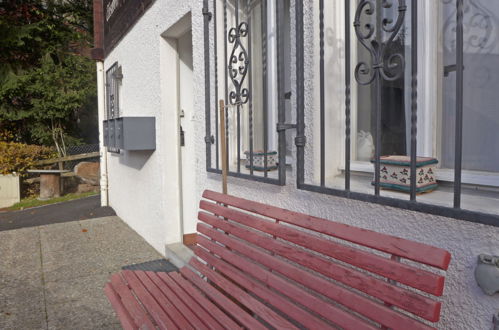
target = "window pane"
x: 481, y: 77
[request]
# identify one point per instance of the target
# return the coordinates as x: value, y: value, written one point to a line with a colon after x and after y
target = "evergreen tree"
x: 47, y: 81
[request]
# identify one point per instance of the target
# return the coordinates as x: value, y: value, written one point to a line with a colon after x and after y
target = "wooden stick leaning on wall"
x: 223, y: 146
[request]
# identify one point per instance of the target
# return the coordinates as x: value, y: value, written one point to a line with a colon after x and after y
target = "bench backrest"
x: 314, y: 270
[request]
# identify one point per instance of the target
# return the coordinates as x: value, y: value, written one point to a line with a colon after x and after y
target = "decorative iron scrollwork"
x: 479, y: 25
x: 238, y: 64
x: 389, y: 66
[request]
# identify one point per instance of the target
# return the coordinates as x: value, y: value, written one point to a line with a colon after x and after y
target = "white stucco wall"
x: 139, y: 184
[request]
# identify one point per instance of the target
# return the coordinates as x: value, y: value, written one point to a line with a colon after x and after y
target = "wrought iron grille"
x: 114, y: 76
x: 373, y: 48
x: 237, y: 68
x: 113, y: 79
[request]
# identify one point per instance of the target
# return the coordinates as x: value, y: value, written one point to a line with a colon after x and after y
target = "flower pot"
x: 259, y: 160
x: 395, y: 173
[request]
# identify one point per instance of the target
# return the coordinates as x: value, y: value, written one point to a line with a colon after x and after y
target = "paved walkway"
x: 51, y: 276
x: 78, y: 209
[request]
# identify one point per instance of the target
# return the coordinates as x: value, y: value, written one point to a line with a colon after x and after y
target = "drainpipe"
x: 98, y: 55
x: 103, y: 150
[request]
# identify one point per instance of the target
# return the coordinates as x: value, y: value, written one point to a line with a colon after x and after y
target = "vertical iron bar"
x: 300, y: 101
x: 322, y: 96
x: 414, y: 94
x: 347, y: 95
x: 116, y: 97
x: 226, y: 87
x: 207, y: 82
x: 265, y: 87
x: 459, y: 104
x: 377, y: 102
x: 377, y: 131
x: 250, y: 89
x: 281, y: 114
x: 215, y: 34
x: 238, y: 109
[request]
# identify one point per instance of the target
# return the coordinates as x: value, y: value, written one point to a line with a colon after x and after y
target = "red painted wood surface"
x: 398, y: 296
x: 164, y: 301
x: 184, y: 310
x: 139, y: 315
x: 410, y: 301
x: 231, y: 308
x: 411, y: 276
x: 210, y: 314
x: 148, y: 301
x: 285, y: 305
x: 261, y: 272
x: 411, y: 250
x: 347, y: 298
x: 126, y: 320
x: 242, y: 297
x: 292, y: 292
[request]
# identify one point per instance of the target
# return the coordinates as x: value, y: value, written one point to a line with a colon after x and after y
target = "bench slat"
x: 160, y: 317
x: 284, y: 305
x: 220, y: 299
x: 242, y: 297
x: 164, y: 301
x: 298, y: 295
x: 126, y: 320
x: 140, y: 316
x: 411, y: 250
x: 407, y: 300
x: 411, y: 276
x: 184, y: 310
x: 198, y: 303
x: 376, y: 312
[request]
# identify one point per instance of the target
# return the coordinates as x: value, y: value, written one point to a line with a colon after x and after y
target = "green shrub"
x: 18, y: 157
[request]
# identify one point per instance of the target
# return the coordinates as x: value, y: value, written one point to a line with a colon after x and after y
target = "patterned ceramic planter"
x: 259, y: 160
x: 395, y: 173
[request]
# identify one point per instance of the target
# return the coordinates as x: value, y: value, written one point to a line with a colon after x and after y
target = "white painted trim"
x: 272, y: 97
x: 104, y: 200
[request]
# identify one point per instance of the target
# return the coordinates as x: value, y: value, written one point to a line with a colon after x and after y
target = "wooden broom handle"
x: 224, y: 147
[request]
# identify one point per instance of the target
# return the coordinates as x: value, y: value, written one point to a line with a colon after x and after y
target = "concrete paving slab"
x: 26, y: 318
x: 81, y: 316
x: 60, y: 271
x: 86, y: 289
x: 62, y: 236
x: 22, y: 305
x: 55, y: 280
x: 24, y: 241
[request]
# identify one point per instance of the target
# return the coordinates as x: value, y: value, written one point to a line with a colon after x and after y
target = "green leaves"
x: 44, y: 78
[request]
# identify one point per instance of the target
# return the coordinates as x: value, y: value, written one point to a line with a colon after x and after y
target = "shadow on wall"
x: 135, y: 159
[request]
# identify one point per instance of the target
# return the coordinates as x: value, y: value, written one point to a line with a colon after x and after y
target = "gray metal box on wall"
x: 137, y: 133
x: 130, y: 133
x: 111, y: 140
x: 105, y: 127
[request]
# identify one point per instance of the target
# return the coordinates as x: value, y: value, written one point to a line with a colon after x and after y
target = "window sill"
x: 447, y: 175
x: 473, y: 199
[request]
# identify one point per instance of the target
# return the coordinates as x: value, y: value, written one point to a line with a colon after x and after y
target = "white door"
x: 187, y: 141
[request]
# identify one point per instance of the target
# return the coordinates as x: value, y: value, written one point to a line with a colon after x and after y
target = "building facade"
x: 325, y: 88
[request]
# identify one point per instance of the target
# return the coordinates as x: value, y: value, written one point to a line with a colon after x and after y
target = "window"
x: 248, y: 66
x: 401, y: 78
x: 114, y: 77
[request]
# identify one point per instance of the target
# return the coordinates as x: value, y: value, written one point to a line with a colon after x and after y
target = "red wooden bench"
x: 260, y: 266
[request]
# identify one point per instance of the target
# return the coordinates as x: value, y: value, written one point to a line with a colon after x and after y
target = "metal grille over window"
x: 247, y: 71
x: 397, y: 112
x: 114, y: 77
